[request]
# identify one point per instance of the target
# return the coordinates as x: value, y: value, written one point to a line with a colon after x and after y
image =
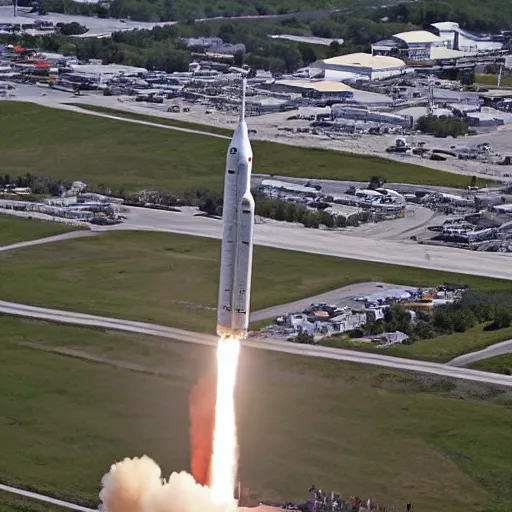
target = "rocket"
x: 237, y: 234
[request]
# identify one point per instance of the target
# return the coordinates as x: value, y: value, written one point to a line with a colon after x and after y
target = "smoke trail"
x: 136, y: 485
x: 202, y: 422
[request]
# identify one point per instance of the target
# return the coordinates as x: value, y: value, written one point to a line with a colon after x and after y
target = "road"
x: 46, y: 240
x: 330, y: 243
x: 81, y: 319
x: 498, y: 349
x: 45, y: 499
x: 62, y: 106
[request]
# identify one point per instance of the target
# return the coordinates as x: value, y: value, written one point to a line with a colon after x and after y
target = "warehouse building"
x: 458, y: 39
x: 364, y: 65
x: 415, y: 45
x: 317, y: 88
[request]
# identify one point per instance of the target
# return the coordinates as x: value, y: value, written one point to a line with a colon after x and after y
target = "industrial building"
x: 361, y: 65
x: 455, y: 38
x: 101, y: 73
x: 316, y: 88
x: 415, y: 45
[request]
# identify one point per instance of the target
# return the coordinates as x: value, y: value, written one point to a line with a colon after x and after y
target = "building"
x: 316, y: 88
x: 415, y: 45
x: 455, y: 38
x: 100, y: 73
x: 371, y: 67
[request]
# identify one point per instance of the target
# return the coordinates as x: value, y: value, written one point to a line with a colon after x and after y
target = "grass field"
x: 172, y: 279
x: 131, y: 157
x: 497, y: 364
x: 17, y: 229
x: 155, y: 119
x: 441, y: 349
x: 365, y: 431
x: 12, y: 503
x: 493, y: 80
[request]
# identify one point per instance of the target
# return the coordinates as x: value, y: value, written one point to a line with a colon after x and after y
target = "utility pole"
x: 430, y: 107
x: 15, y: 6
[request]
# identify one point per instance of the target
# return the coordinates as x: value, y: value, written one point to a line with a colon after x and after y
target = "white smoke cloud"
x: 136, y: 485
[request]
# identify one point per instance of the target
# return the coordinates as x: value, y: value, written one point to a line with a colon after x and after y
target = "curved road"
x: 498, y: 349
x: 81, y: 319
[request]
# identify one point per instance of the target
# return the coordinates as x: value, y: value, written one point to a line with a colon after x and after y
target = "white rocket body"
x: 237, y: 243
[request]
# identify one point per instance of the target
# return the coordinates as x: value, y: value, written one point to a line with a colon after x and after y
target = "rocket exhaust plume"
x: 136, y: 485
x: 202, y: 422
x: 225, y: 447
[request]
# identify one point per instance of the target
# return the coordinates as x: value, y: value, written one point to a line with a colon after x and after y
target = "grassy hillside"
x: 129, y: 157
x: 361, y: 430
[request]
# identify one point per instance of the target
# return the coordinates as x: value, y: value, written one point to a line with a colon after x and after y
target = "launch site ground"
x: 86, y: 397
x: 14, y: 230
x: 170, y: 279
x: 267, y: 128
x: 135, y: 157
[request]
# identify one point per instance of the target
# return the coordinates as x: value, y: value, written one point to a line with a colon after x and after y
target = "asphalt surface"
x: 498, y: 349
x: 81, y: 319
x: 330, y: 243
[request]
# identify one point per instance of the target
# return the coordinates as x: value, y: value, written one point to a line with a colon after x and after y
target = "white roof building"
x: 104, y: 72
x: 458, y: 39
x: 415, y: 45
x: 366, y: 65
x: 418, y: 37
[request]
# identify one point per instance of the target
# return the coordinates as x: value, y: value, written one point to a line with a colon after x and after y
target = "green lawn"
x: 361, y: 430
x: 155, y: 119
x: 129, y: 157
x: 17, y: 229
x: 493, y: 80
x: 13, y: 503
x: 172, y: 279
x: 497, y: 364
x: 441, y: 349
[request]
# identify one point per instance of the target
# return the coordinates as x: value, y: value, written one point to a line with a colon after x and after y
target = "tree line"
x: 443, y: 126
x: 163, y: 48
x: 492, y: 309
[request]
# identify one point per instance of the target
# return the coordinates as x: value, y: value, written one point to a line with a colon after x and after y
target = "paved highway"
x: 81, y: 319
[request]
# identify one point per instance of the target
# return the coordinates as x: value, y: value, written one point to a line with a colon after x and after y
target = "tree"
x: 397, y: 318
x: 467, y: 77
x: 305, y: 338
x: 463, y: 319
x: 423, y: 331
x: 376, y: 182
x: 334, y: 49
x: 502, y: 319
x: 239, y: 58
